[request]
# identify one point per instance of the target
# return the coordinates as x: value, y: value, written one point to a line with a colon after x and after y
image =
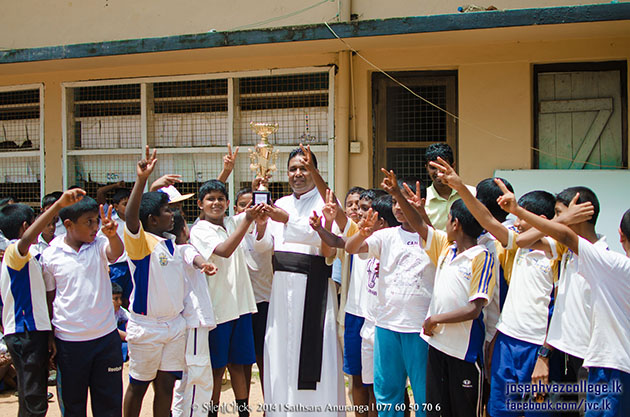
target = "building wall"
x: 33, y: 23
x: 494, y: 68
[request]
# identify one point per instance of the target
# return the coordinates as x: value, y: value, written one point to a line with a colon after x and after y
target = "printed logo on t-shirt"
x: 163, y: 259
x: 465, y: 272
x: 466, y: 383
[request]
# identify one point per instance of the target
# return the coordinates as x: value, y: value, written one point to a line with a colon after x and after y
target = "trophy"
x: 263, y: 159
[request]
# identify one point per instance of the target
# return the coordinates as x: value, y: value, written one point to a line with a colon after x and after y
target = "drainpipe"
x: 342, y: 125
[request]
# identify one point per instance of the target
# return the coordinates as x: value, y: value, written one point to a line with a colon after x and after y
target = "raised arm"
x: 33, y: 231
x: 101, y: 192
x: 321, y: 185
x: 555, y: 229
x: 415, y: 220
x: 228, y: 164
x: 226, y: 248
x: 165, y: 181
x: 449, y: 177
x: 143, y: 170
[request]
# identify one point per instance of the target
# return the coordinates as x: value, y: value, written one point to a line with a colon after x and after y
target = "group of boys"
x: 438, y: 288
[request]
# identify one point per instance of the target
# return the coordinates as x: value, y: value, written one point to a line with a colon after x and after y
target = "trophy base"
x: 261, y: 197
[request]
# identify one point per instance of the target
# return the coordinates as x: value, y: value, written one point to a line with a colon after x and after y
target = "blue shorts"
x: 120, y: 274
x: 352, y: 344
x: 513, y: 362
x: 232, y: 342
x: 613, y: 402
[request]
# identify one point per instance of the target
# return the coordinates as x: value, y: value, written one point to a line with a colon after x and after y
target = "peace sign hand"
x: 367, y: 223
x: 145, y: 166
x: 413, y: 197
x: 108, y: 226
x: 229, y: 159
x: 330, y: 208
x: 308, y: 158
x: 447, y: 174
x: 390, y: 183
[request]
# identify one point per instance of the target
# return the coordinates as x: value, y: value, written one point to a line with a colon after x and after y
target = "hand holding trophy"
x: 263, y: 159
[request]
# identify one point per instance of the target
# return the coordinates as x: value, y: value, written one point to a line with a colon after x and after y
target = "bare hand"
x: 230, y: 158
x: 577, y: 213
x: 390, y: 183
x: 330, y: 208
x: 428, y: 326
x: 541, y: 371
x: 366, y: 224
x: 507, y: 201
x: 108, y: 226
x: 208, y: 268
x: 315, y: 221
x: 253, y: 212
x: 308, y: 158
x: 71, y: 197
x: 276, y: 214
x: 165, y: 181
x: 413, y: 197
x: 258, y: 181
x: 145, y: 166
x: 447, y: 174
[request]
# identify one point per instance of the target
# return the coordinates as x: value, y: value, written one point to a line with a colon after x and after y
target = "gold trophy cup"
x: 263, y: 159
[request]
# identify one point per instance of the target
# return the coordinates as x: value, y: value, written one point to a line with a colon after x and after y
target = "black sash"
x: 312, y: 343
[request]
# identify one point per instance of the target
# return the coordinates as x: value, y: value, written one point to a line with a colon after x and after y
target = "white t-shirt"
x: 259, y: 266
x: 608, y: 273
x: 570, y: 326
x: 83, y: 308
x: 198, y: 310
x: 371, y: 290
x: 526, y: 309
x: 405, y: 281
x: 230, y: 288
x: 355, y: 303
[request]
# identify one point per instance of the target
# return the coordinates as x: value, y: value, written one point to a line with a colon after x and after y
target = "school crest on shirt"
x: 163, y: 259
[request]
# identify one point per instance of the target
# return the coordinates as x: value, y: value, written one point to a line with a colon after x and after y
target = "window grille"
x: 191, y: 120
x: 20, y: 151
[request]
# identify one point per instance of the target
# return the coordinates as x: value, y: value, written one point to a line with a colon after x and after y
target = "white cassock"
x: 284, y: 323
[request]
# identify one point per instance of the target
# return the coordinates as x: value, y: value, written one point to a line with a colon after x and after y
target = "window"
x: 190, y: 120
x: 405, y: 125
x: 21, y: 155
x: 581, y: 116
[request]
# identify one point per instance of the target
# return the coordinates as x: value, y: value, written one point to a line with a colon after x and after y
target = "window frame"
x: 146, y: 100
x: 39, y: 152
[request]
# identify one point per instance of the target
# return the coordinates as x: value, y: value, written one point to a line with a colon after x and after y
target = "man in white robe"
x: 284, y: 395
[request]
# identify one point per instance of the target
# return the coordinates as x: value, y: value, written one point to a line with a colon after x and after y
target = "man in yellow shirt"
x: 440, y: 196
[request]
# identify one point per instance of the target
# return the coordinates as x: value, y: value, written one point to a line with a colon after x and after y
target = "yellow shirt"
x: 437, y: 208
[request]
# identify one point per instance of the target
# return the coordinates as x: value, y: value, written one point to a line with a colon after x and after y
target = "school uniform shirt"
x: 459, y: 280
x: 41, y: 244
x: 259, y: 266
x: 438, y: 208
x: 608, y: 274
x: 23, y: 292
x: 356, y: 301
x: 230, y: 288
x: 157, y: 271
x: 570, y: 326
x: 492, y: 311
x: 198, y: 310
x: 83, y: 308
x: 531, y: 276
x: 405, y: 280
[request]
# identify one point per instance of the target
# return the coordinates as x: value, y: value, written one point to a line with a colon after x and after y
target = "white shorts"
x: 155, y: 346
x: 367, y: 352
